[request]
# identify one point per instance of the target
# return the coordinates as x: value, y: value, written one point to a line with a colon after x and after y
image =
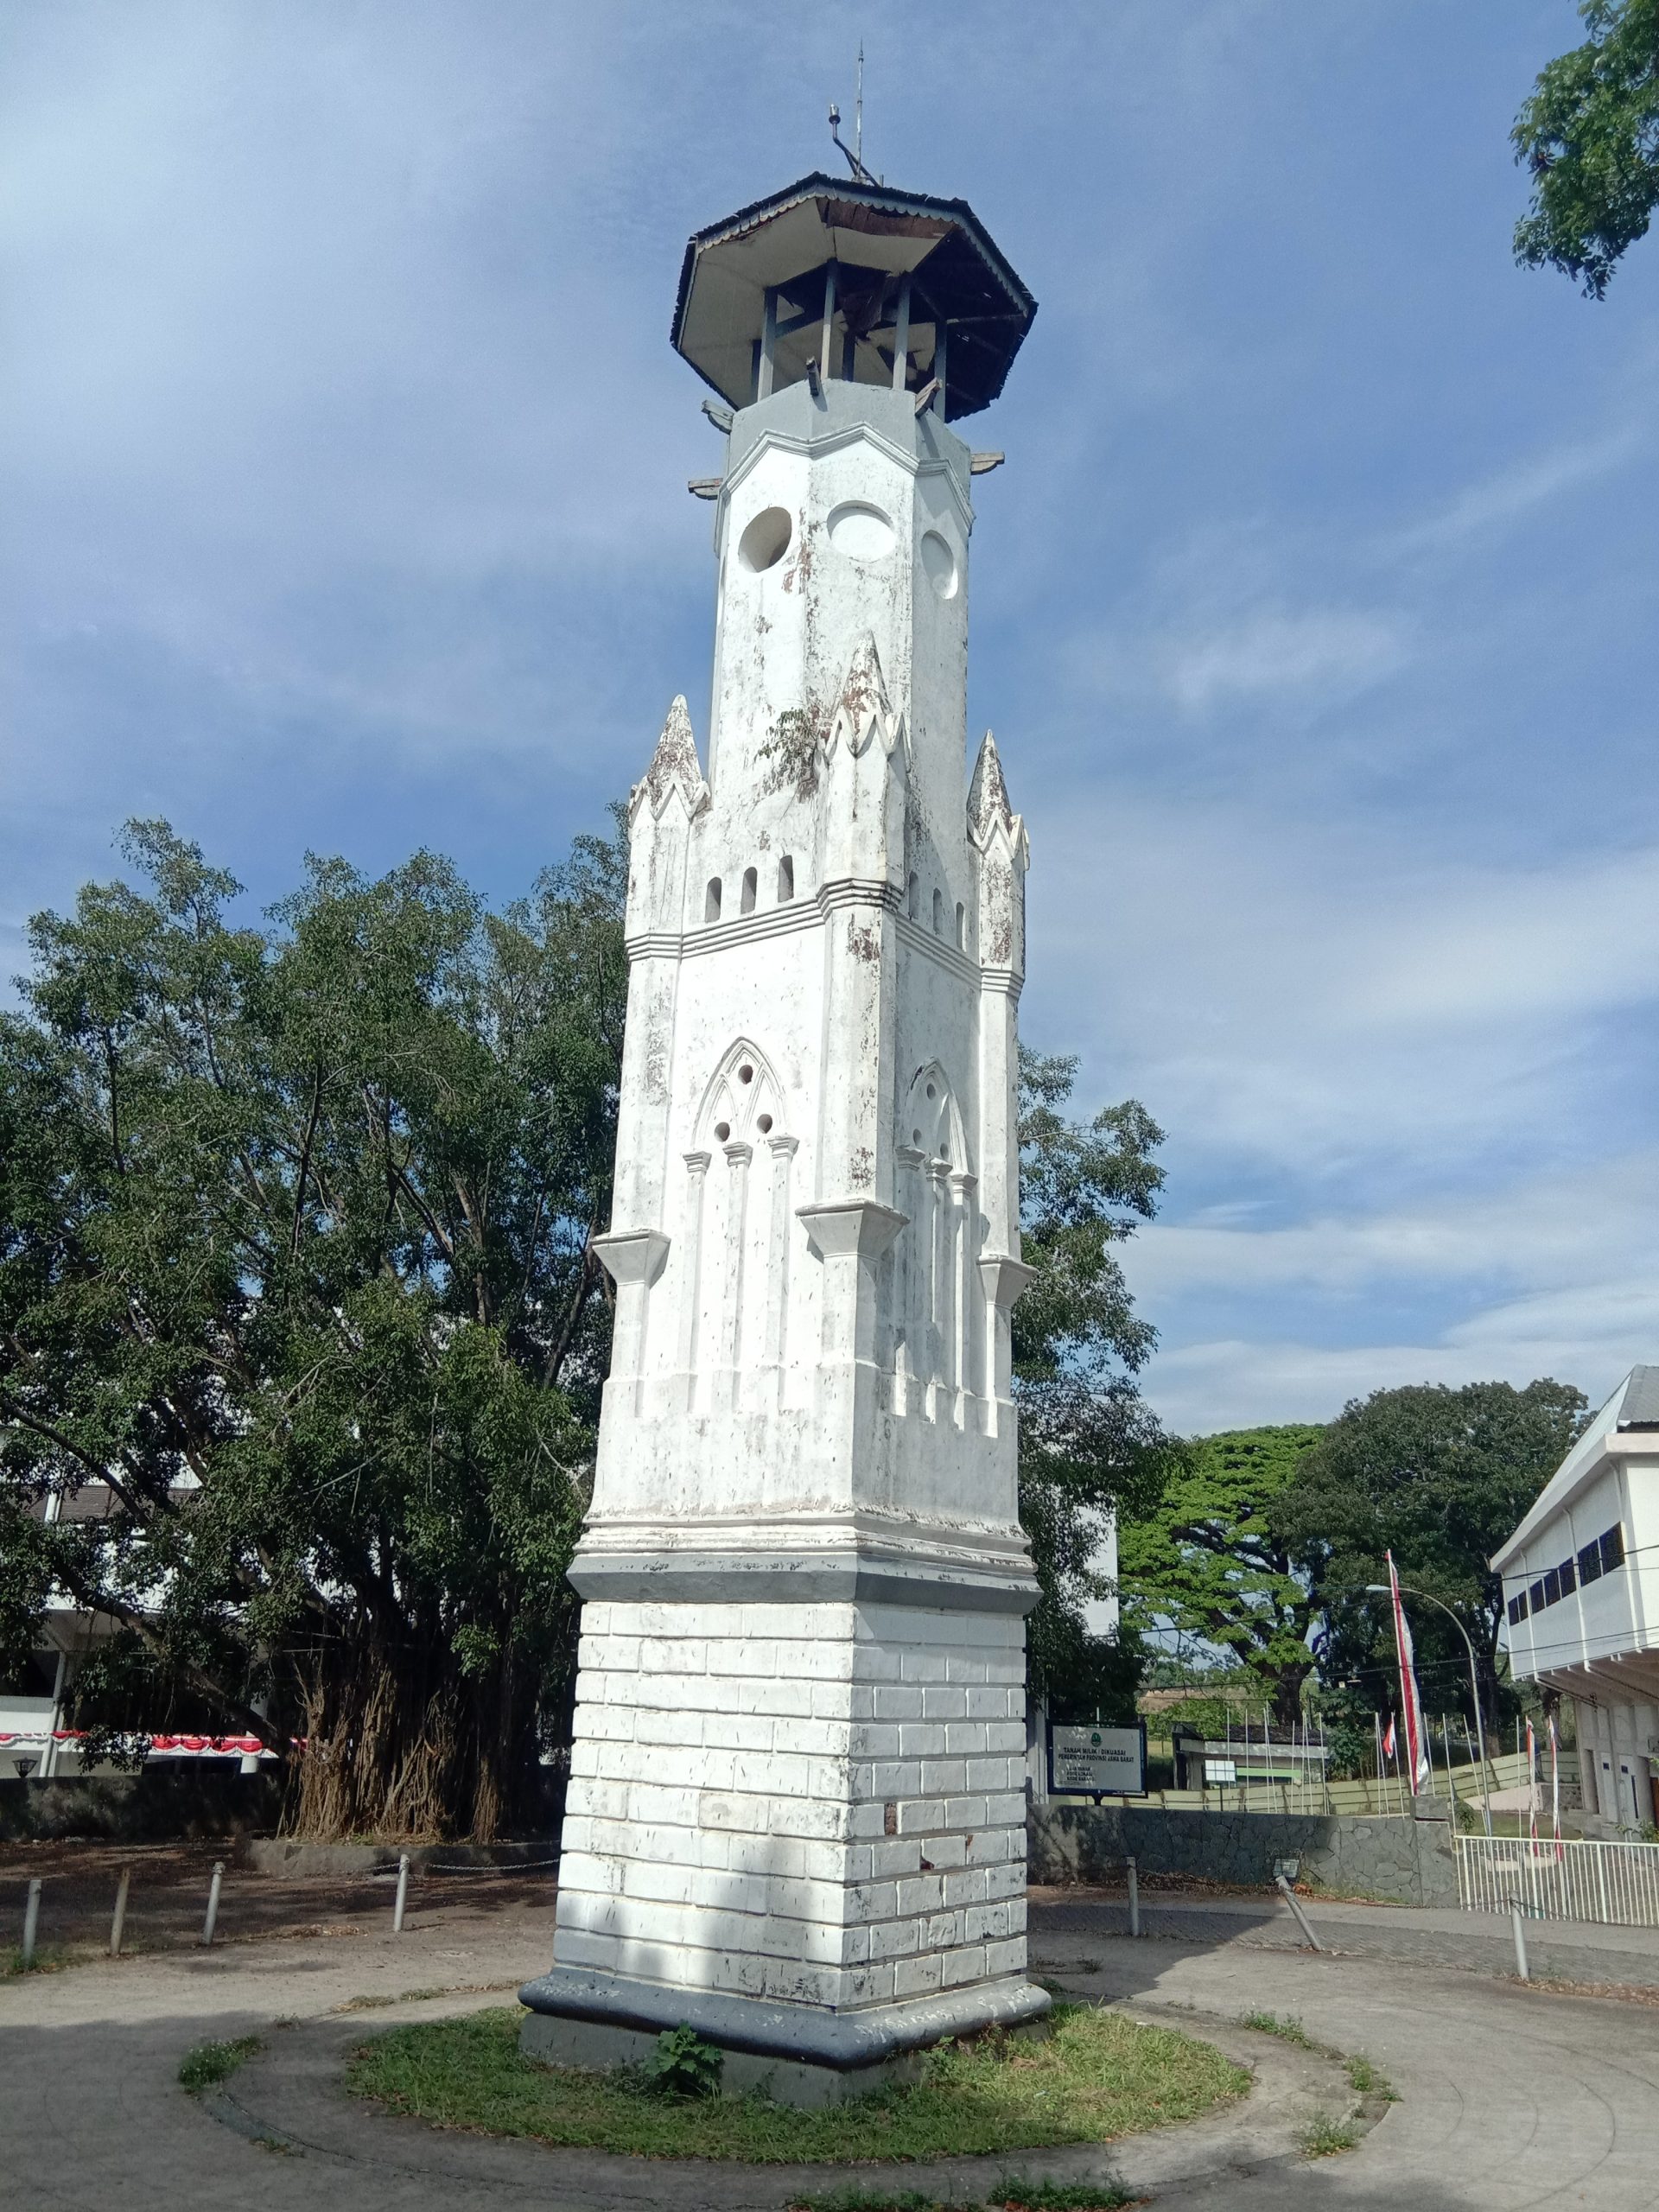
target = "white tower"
x: 796, y: 1815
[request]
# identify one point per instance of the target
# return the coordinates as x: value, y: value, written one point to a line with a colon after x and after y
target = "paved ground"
x: 167, y: 1897
x: 1511, y: 2098
x: 1622, y: 1958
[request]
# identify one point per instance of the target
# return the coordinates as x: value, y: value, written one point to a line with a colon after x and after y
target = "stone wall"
x: 175, y: 1804
x: 811, y: 1804
x: 1395, y: 1861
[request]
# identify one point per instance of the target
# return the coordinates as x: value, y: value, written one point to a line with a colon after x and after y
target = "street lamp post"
x: 1382, y: 1590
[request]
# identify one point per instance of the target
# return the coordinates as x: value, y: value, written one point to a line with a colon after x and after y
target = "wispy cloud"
x: 1517, y: 492
x: 1273, y: 652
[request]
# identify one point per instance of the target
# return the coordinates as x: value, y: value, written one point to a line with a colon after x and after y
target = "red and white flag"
x: 1388, y: 1740
x: 1411, y: 1705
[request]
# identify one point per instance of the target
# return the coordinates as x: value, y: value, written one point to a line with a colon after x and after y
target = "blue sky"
x: 342, y: 473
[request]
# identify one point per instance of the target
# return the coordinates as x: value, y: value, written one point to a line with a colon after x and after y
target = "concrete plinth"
x: 788, y: 2082
x: 797, y: 2055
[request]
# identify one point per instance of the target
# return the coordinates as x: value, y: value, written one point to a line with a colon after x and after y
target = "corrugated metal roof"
x: 1640, y: 1408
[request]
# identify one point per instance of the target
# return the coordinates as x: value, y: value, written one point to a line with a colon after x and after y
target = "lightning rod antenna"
x: 858, y: 113
x: 854, y: 161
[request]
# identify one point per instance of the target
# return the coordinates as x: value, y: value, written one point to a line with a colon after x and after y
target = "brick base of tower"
x: 798, y: 1826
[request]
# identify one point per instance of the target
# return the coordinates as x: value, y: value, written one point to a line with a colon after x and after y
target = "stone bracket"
x: 850, y: 1225
x: 633, y: 1254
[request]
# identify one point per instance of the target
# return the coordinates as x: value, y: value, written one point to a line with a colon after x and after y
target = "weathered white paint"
x: 799, y: 1733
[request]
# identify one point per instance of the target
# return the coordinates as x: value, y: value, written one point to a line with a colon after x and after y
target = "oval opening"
x: 940, y: 564
x: 722, y: 1130
x: 861, y: 532
x: 765, y: 541
x: 746, y: 1073
x: 764, y: 1124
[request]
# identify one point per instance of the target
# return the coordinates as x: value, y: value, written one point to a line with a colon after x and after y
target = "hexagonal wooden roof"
x: 876, y: 237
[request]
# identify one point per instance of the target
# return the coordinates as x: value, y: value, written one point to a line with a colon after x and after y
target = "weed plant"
x: 205, y: 2064
x: 1323, y: 2137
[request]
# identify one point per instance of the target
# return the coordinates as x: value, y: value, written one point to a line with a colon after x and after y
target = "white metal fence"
x: 1616, y: 1883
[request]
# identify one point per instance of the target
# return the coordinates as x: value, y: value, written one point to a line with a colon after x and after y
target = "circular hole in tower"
x: 931, y: 1092
x: 722, y: 1130
x: 746, y: 1073
x: 861, y: 532
x: 764, y: 1124
x: 940, y: 563
x: 916, y: 1138
x: 765, y: 540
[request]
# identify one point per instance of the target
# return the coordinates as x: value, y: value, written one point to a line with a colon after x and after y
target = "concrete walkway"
x: 1510, y: 2098
x: 1573, y: 1952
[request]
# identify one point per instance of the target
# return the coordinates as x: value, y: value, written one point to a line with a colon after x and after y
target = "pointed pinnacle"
x: 864, y: 692
x: 988, y: 795
x: 675, y: 763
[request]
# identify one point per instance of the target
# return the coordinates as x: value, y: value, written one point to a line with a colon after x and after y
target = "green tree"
x: 1439, y: 1477
x: 294, y: 1254
x: 1089, y: 1446
x: 1589, y: 135
x: 1209, y: 1562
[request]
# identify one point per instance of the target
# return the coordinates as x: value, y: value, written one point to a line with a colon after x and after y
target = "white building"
x: 1581, y: 1594
x: 796, y: 1811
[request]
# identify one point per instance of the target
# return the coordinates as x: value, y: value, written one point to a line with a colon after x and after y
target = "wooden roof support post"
x: 769, y: 344
x: 829, y: 318
x: 940, y: 334
x: 901, y: 338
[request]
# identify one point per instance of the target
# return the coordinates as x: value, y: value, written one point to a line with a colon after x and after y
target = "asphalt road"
x: 1510, y: 2098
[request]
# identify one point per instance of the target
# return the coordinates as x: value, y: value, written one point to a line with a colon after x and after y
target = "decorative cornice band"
x: 937, y: 948
x: 783, y: 1577
x: 849, y: 433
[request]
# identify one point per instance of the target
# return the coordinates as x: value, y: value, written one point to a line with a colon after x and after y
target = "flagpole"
x: 1386, y: 1590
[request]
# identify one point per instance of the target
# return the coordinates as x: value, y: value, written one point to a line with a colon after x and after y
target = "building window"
x: 1613, y: 1550
x: 1517, y: 1608
x: 1569, y: 1578
x: 1590, y: 1563
x: 962, y: 927
x: 1553, y: 1587
x: 915, y: 899
x: 1536, y: 1596
x: 751, y: 884
x: 786, y: 879
x: 711, y: 900
x: 938, y: 913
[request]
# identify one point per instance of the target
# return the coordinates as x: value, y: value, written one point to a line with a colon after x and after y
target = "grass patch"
x: 874, y: 2200
x: 1014, y: 2193
x: 1323, y: 2136
x: 1287, y: 2029
x: 207, y: 2063
x: 1096, y: 2076
x: 49, y: 1958
x: 1369, y: 2080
